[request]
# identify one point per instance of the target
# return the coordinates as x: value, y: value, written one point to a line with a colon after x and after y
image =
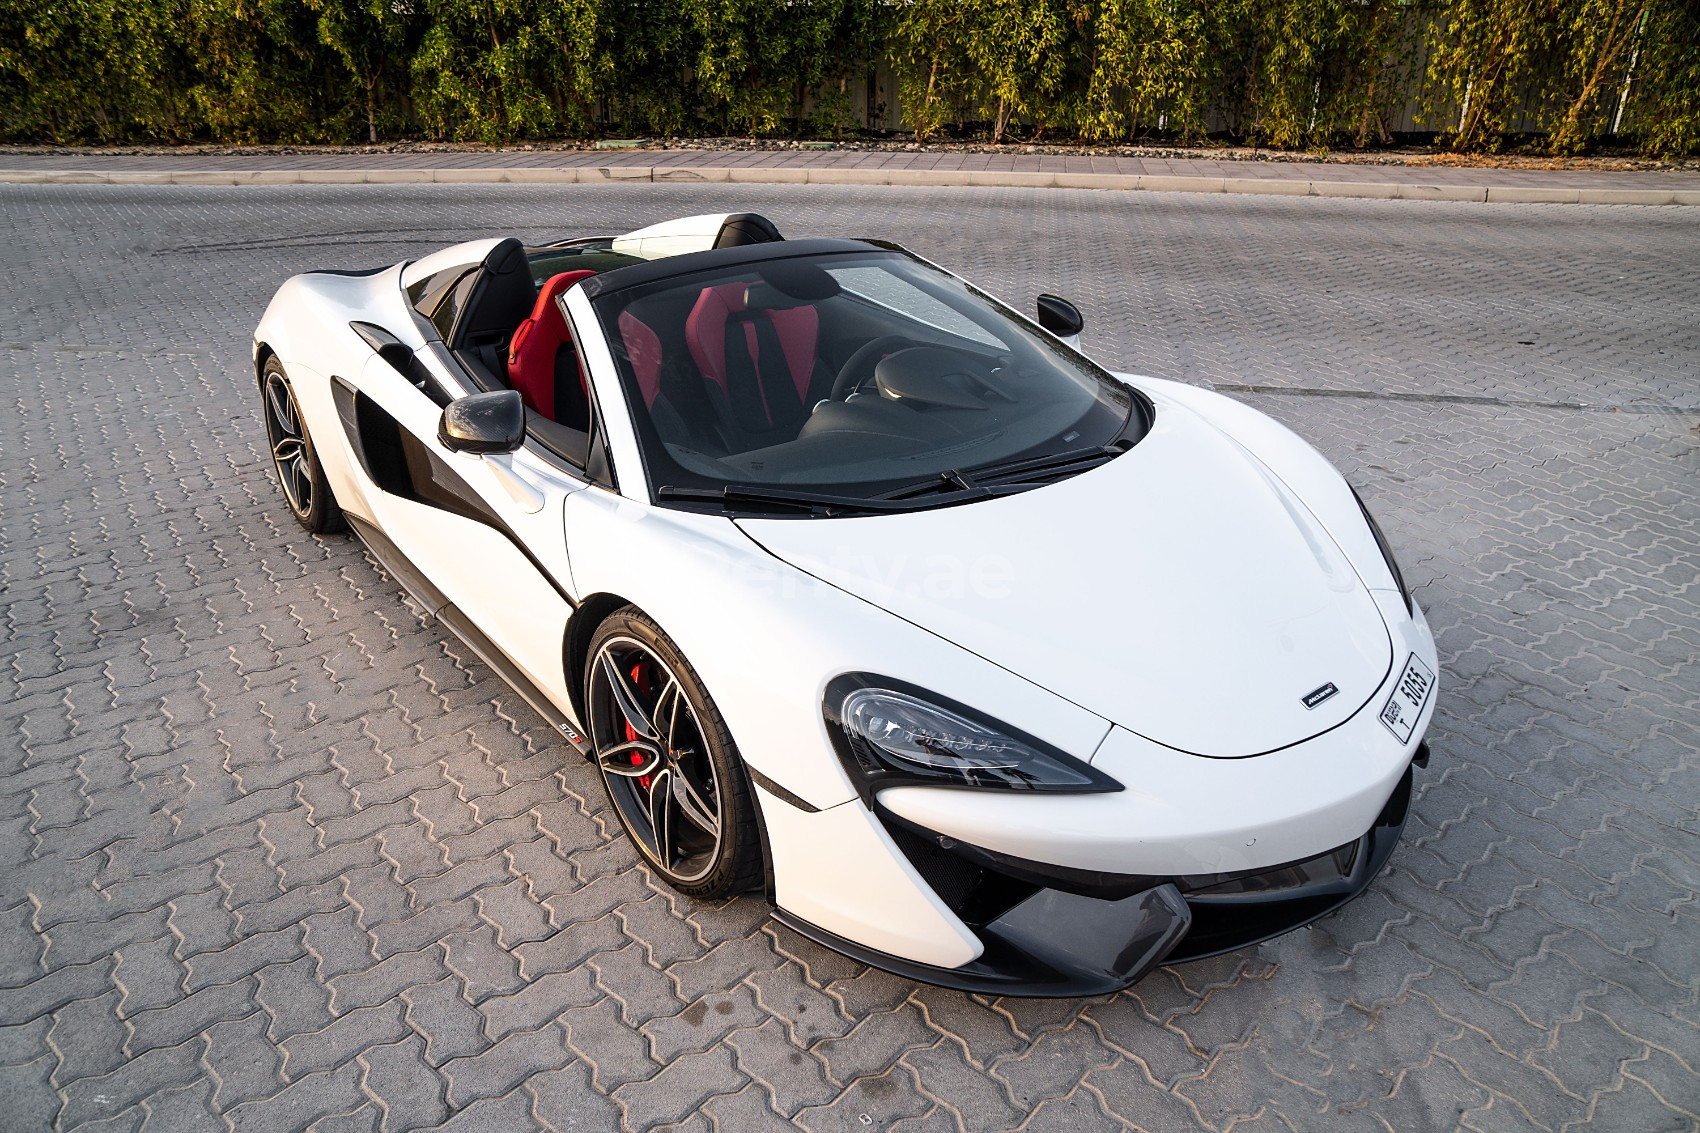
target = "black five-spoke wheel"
x: 668, y: 762
x: 298, y: 472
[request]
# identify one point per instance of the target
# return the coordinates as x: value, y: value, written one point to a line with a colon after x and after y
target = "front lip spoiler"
x: 1057, y: 945
x: 1054, y: 945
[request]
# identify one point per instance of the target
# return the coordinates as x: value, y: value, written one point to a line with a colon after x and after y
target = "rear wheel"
x: 668, y: 761
x: 299, y: 473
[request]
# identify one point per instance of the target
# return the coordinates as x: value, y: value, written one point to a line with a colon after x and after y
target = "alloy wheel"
x: 655, y: 760
x: 289, y: 445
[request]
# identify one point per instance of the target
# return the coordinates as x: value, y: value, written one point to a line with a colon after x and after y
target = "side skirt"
x: 413, y: 580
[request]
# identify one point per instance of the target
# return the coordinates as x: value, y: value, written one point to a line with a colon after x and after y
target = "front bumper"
x: 1058, y: 932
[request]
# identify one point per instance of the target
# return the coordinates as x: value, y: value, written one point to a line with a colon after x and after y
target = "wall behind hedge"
x: 1563, y: 75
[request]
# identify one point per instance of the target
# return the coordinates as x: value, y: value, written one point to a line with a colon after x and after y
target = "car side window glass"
x: 439, y: 297
x: 454, y: 301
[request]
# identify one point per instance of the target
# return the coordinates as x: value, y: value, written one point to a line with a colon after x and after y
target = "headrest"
x: 548, y: 309
x: 741, y: 228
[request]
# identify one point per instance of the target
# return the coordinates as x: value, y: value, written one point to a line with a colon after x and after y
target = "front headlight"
x: 1386, y: 553
x: 888, y: 732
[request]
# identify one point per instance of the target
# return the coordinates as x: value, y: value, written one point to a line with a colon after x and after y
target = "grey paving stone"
x: 90, y: 1099
x: 483, y: 965
x: 293, y: 999
x: 30, y: 1100
x: 383, y: 981
x: 87, y: 1037
x: 1053, y: 1065
x: 147, y: 977
x: 451, y: 1026
x: 792, y: 1076
x: 311, y: 1052
x: 189, y: 1016
x: 509, y: 1112
x: 565, y: 1101
x: 679, y: 1089
x: 703, y: 1024
x: 505, y: 1065
x: 874, y: 1044
x: 403, y: 1084
x: 244, y: 1063
x: 614, y: 1052
x: 538, y: 1002
x: 184, y: 1109
x: 327, y: 1092
x: 745, y: 1110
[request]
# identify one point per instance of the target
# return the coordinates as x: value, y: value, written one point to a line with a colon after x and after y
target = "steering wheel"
x: 856, y: 371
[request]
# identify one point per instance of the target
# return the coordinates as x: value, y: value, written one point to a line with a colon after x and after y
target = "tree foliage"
x: 1562, y: 74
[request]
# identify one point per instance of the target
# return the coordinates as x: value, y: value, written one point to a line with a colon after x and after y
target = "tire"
x: 300, y: 477
x: 668, y: 761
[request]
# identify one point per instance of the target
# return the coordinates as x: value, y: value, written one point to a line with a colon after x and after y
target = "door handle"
x: 523, y: 493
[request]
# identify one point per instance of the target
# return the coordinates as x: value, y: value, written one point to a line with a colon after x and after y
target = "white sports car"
x: 998, y: 670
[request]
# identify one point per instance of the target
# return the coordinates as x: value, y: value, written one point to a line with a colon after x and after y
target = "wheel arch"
x: 575, y: 649
x: 263, y: 353
x: 592, y: 611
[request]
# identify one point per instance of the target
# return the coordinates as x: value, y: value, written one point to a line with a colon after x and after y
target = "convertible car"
x: 995, y: 669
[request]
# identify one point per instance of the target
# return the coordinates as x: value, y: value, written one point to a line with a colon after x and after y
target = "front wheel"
x: 668, y: 761
x: 299, y: 473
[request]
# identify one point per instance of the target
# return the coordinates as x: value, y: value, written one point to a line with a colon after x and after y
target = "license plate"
x: 1409, y: 698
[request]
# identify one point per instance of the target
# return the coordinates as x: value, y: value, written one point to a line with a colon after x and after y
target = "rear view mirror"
x: 484, y: 423
x: 1060, y: 317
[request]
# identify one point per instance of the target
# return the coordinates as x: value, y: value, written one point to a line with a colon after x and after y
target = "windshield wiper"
x: 1005, y: 477
x: 742, y: 497
x: 1036, y: 468
x: 948, y: 487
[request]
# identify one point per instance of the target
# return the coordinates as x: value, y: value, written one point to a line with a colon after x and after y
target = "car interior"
x: 755, y: 374
x: 502, y: 321
x: 845, y: 368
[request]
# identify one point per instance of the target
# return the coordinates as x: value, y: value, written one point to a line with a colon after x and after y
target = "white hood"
x: 1179, y: 590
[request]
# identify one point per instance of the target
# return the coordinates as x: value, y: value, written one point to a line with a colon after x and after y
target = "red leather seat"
x: 643, y: 348
x: 757, y: 391
x: 537, y: 345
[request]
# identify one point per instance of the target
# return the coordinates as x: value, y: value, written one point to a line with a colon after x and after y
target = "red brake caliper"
x: 631, y: 732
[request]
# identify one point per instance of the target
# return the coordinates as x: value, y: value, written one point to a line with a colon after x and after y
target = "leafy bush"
x: 1566, y: 74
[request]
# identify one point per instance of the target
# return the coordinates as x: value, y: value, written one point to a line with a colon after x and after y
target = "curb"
x: 580, y: 175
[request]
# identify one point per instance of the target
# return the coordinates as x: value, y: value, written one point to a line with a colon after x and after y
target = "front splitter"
x: 1056, y: 944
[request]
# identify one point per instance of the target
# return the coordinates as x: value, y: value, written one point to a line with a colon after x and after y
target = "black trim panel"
x: 438, y: 485
x: 1052, y: 945
x: 351, y: 273
x: 491, y: 654
x: 779, y: 792
x: 399, y: 463
x: 399, y: 566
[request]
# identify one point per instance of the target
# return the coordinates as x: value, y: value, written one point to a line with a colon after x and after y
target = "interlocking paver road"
x: 276, y: 854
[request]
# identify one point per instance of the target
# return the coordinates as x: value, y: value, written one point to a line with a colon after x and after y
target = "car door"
x: 478, y: 539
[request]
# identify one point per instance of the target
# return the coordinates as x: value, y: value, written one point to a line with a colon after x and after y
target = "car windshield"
x: 818, y: 381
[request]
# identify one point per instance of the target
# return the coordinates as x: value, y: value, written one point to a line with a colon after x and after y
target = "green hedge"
x: 1562, y: 74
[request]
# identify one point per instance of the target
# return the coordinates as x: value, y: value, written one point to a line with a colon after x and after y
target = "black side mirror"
x: 1059, y: 316
x: 484, y: 422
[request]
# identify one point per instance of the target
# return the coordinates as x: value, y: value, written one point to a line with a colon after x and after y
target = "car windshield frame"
x: 1116, y: 415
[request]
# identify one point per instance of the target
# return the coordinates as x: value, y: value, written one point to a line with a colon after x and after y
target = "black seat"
x: 501, y: 300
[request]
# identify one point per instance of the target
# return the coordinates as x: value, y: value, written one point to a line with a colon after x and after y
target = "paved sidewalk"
x: 865, y: 167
